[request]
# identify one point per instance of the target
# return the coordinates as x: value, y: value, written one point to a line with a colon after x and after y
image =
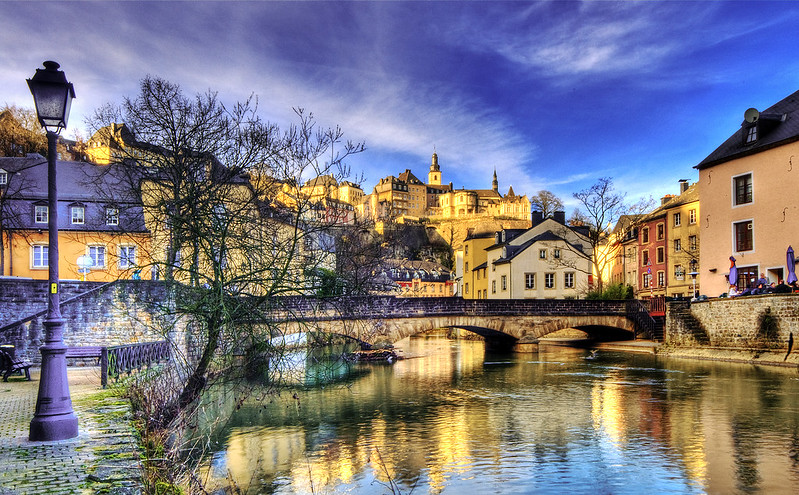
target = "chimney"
x: 560, y: 217
x: 665, y: 199
x: 683, y: 185
x: 536, y: 217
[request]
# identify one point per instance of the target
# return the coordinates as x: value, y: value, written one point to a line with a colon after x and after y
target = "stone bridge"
x: 126, y: 312
x: 505, y: 324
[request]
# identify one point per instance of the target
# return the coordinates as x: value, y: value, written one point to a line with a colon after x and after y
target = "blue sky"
x: 552, y: 94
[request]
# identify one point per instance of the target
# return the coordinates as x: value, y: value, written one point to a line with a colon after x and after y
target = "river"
x: 453, y: 419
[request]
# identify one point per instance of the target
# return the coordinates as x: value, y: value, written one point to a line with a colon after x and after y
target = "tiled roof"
x: 784, y: 132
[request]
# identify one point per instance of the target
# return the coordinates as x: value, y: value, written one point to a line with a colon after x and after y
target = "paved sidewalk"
x: 102, y: 459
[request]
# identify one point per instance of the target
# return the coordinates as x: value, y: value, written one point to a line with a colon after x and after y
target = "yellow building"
x: 750, y: 210
x: 682, y: 235
x: 92, y: 222
x: 474, y: 280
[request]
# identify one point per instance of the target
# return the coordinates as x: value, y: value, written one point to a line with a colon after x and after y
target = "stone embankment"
x: 753, y: 329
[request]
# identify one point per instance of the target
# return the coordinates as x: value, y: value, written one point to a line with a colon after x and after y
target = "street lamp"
x: 54, y: 418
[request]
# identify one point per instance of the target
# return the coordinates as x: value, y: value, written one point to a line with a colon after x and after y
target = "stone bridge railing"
x: 393, y: 307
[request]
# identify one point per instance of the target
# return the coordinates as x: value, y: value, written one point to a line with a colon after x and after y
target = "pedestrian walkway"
x: 101, y: 459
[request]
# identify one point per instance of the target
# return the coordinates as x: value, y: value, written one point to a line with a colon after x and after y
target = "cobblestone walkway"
x: 102, y: 459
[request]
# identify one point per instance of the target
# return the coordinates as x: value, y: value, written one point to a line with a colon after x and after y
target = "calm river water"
x: 458, y: 420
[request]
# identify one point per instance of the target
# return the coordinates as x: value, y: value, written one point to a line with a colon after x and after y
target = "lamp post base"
x: 53, y: 428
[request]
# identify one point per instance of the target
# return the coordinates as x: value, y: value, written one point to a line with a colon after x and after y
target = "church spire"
x: 434, y: 176
x: 495, y: 182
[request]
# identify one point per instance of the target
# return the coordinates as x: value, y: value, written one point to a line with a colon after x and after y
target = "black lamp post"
x: 54, y: 418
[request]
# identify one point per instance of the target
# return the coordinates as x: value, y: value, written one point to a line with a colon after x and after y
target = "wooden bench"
x: 9, y: 365
x: 85, y: 352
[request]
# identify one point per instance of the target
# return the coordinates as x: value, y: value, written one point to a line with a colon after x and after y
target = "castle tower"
x: 495, y: 183
x: 434, y: 176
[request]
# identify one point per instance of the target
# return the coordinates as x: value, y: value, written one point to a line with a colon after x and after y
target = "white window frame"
x: 43, y: 257
x: 734, y: 196
x: 568, y: 280
x: 677, y: 219
x: 549, y: 280
x: 125, y: 260
x: 3, y: 177
x: 504, y: 282
x: 41, y: 214
x: 677, y: 245
x: 735, y: 240
x: 542, y: 254
x: 77, y: 215
x: 92, y: 251
x: 111, y: 215
x: 556, y: 253
x: 692, y: 216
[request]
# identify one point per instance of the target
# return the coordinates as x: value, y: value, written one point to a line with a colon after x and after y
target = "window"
x: 692, y: 217
x: 660, y: 255
x: 529, y: 280
x: 645, y: 235
x: 466, y: 267
x: 39, y: 254
x: 127, y: 256
x: 692, y: 243
x: 504, y: 282
x: 466, y: 288
x: 568, y: 280
x: 78, y: 215
x: 97, y: 254
x: 549, y: 280
x: 751, y: 134
x: 542, y: 254
x: 647, y: 280
x: 743, y: 236
x: 679, y: 273
x: 556, y: 254
x: 660, y: 231
x: 3, y: 177
x: 40, y: 214
x: 661, y: 279
x: 493, y: 286
x: 677, y: 219
x: 677, y: 245
x: 645, y: 257
x: 743, y: 189
x: 466, y: 249
x: 112, y: 216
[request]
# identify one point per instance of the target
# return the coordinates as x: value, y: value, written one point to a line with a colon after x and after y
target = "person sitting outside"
x: 733, y: 291
x: 782, y: 288
x: 762, y: 280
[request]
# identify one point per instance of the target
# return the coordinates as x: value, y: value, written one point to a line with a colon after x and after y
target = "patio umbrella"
x: 733, y: 277
x: 791, y: 262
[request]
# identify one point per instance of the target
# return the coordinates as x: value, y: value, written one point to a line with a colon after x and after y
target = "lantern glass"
x: 52, y: 95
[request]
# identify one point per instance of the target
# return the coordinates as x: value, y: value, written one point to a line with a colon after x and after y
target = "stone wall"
x: 734, y: 323
x: 122, y: 312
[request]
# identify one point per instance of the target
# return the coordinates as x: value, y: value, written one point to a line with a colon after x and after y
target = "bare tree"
x: 14, y: 208
x: 602, y: 206
x: 204, y: 173
x: 546, y: 202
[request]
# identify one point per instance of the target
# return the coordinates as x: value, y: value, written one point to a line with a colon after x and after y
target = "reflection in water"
x: 454, y: 418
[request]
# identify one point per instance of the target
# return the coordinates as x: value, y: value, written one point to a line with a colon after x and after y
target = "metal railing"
x: 120, y: 359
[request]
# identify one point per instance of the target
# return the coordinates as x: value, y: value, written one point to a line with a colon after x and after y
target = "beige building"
x: 748, y: 191
x: 551, y: 260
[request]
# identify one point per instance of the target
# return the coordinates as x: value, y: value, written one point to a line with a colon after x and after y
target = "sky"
x: 552, y: 94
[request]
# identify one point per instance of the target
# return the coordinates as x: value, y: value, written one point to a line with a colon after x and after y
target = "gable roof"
x: 782, y: 133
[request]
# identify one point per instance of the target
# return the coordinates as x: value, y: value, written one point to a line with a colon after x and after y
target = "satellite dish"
x: 751, y: 115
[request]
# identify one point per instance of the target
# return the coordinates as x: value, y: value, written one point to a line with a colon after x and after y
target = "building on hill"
x: 418, y: 278
x: 747, y: 188
x: 550, y: 260
x: 407, y: 196
x: 682, y: 236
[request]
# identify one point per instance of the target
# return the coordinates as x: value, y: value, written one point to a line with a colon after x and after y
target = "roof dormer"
x: 757, y: 125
